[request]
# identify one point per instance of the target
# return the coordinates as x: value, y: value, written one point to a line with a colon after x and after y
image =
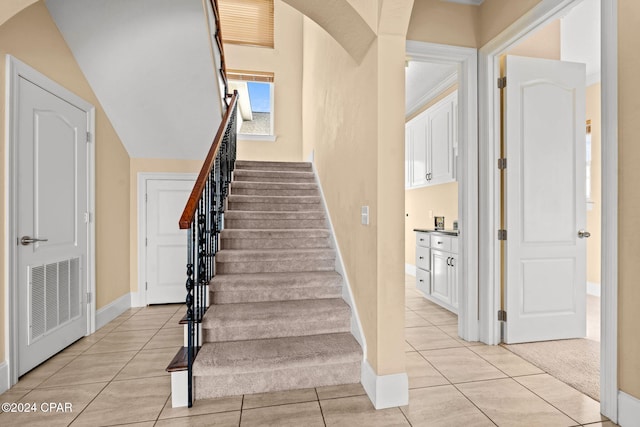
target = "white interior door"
x: 166, y: 243
x: 545, y: 203
x: 52, y: 247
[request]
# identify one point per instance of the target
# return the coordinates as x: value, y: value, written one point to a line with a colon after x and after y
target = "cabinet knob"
x: 421, y: 280
x: 438, y: 243
x: 421, y: 257
x: 422, y: 240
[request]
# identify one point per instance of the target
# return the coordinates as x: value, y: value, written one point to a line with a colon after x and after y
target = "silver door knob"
x: 584, y: 234
x: 27, y: 240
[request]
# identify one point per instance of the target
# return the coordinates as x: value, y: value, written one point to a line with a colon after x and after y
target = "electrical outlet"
x: 364, y: 215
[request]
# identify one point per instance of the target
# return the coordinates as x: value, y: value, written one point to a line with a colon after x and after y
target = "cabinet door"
x: 440, y: 143
x: 453, y: 280
x: 440, y: 276
x: 418, y: 131
x: 423, y: 281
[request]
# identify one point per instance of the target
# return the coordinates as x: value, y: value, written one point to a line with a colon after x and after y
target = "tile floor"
x: 116, y: 377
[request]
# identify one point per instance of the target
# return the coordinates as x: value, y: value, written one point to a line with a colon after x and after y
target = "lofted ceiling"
x: 424, y: 80
x: 149, y: 63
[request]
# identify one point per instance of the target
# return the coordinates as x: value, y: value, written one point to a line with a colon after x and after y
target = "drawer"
x: 422, y: 239
x: 423, y: 281
x: 423, y: 258
x: 440, y: 242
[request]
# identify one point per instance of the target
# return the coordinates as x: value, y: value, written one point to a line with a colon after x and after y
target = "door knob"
x: 584, y: 234
x: 27, y: 240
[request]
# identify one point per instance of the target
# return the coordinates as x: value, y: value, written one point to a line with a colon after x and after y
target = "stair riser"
x: 275, y: 166
x: 313, y: 243
x: 275, y: 224
x: 259, y: 178
x: 275, y: 266
x: 271, y: 168
x: 284, y: 379
x: 224, y: 332
x: 264, y: 295
x: 272, y: 192
x: 274, y: 207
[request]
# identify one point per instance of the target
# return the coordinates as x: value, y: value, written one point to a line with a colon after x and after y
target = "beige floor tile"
x: 83, y: 344
x: 122, y: 341
x: 428, y: 338
x: 89, y: 368
x: 506, y: 361
x: 224, y: 419
x: 166, y: 338
x: 421, y: 373
x: 298, y: 414
x: 602, y: 424
x: 578, y: 406
x: 78, y: 397
x: 358, y: 411
x: 442, y: 406
x: 124, y: 402
x: 147, y: 363
x: 203, y: 406
x: 13, y: 395
x: 142, y: 424
x: 439, y: 318
x: 421, y: 304
x: 508, y: 403
x: 37, y: 376
x: 160, y: 309
x: 144, y: 322
x: 260, y: 400
x: 460, y: 365
x: 335, y: 391
x: 408, y: 347
x: 412, y: 320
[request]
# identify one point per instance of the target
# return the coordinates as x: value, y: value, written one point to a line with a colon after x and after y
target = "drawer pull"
x: 421, y: 280
x: 439, y: 243
x: 422, y: 240
x: 421, y: 257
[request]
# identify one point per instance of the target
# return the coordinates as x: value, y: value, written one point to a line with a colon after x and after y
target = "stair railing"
x: 203, y: 218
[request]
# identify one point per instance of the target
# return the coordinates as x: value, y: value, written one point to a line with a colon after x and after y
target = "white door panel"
x: 440, y: 128
x: 418, y: 138
x: 545, y: 200
x: 52, y: 197
x: 166, y: 243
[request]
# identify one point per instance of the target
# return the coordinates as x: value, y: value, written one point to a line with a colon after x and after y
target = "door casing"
x: 15, y: 69
x: 489, y: 114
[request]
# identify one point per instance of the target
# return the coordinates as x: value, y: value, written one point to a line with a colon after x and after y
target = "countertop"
x: 448, y: 232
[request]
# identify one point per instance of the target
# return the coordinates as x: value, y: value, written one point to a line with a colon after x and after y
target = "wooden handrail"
x: 192, y: 203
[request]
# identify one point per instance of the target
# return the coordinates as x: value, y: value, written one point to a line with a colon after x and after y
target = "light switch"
x: 364, y: 215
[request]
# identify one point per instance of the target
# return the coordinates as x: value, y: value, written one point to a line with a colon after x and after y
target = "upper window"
x: 247, y: 22
x: 255, y: 103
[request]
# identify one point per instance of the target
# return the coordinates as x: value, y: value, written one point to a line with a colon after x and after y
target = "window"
x: 247, y: 22
x: 255, y: 102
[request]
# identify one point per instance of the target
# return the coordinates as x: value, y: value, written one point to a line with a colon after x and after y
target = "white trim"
x: 179, y: 388
x: 467, y: 2
x: 593, y: 289
x: 433, y: 93
x: 347, y: 294
x: 139, y: 297
x: 250, y: 137
x: 629, y: 410
x: 489, y: 262
x: 594, y: 78
x: 112, y: 310
x: 4, y: 377
x: 14, y: 70
x: 385, y: 391
x: 410, y: 269
x: 467, y: 167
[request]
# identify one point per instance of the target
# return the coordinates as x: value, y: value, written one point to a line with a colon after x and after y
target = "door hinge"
x: 502, y: 163
x: 146, y: 197
x: 146, y: 286
x: 502, y: 316
x: 87, y: 217
x: 502, y: 234
x: 88, y: 297
x: 88, y: 137
x: 502, y: 82
x: 146, y: 241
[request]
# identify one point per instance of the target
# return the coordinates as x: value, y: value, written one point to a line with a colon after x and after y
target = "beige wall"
x: 545, y: 43
x: 629, y: 202
x: 496, y: 15
x: 441, y: 199
x: 594, y: 216
x: 138, y: 165
x: 32, y: 37
x: 8, y: 8
x: 285, y: 61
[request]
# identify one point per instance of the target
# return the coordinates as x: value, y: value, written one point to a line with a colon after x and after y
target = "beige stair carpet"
x: 277, y: 319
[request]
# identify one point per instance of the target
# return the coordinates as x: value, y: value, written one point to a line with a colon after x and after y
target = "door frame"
x: 14, y: 70
x: 489, y: 261
x: 466, y: 59
x: 143, y: 177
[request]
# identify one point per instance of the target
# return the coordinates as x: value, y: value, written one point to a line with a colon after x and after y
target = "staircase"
x: 277, y: 320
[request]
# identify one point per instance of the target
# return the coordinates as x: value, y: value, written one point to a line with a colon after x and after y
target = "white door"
x: 417, y: 129
x: 52, y: 199
x: 440, y: 142
x: 166, y: 244
x: 545, y: 200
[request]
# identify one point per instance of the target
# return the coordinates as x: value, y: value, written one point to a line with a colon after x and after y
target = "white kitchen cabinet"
x: 437, y: 277
x: 431, y: 144
x: 423, y: 263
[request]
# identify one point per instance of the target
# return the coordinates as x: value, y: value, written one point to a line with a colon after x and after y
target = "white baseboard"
x: 138, y: 299
x: 628, y: 410
x: 385, y: 391
x: 4, y: 377
x: 410, y: 269
x: 593, y: 289
x: 112, y: 310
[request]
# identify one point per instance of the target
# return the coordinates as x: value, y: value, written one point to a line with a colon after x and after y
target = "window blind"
x: 247, y: 22
x: 250, y: 76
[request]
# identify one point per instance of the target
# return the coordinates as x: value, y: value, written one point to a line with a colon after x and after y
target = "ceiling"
x: 149, y: 63
x: 423, y: 80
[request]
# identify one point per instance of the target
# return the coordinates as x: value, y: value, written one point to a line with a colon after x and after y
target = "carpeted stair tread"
x: 273, y: 185
x: 253, y: 356
x: 273, y: 176
x: 248, y: 233
x: 235, y: 282
x: 274, y: 199
x: 276, y: 166
x: 274, y: 319
x: 232, y: 215
x: 233, y: 255
x: 275, y: 238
